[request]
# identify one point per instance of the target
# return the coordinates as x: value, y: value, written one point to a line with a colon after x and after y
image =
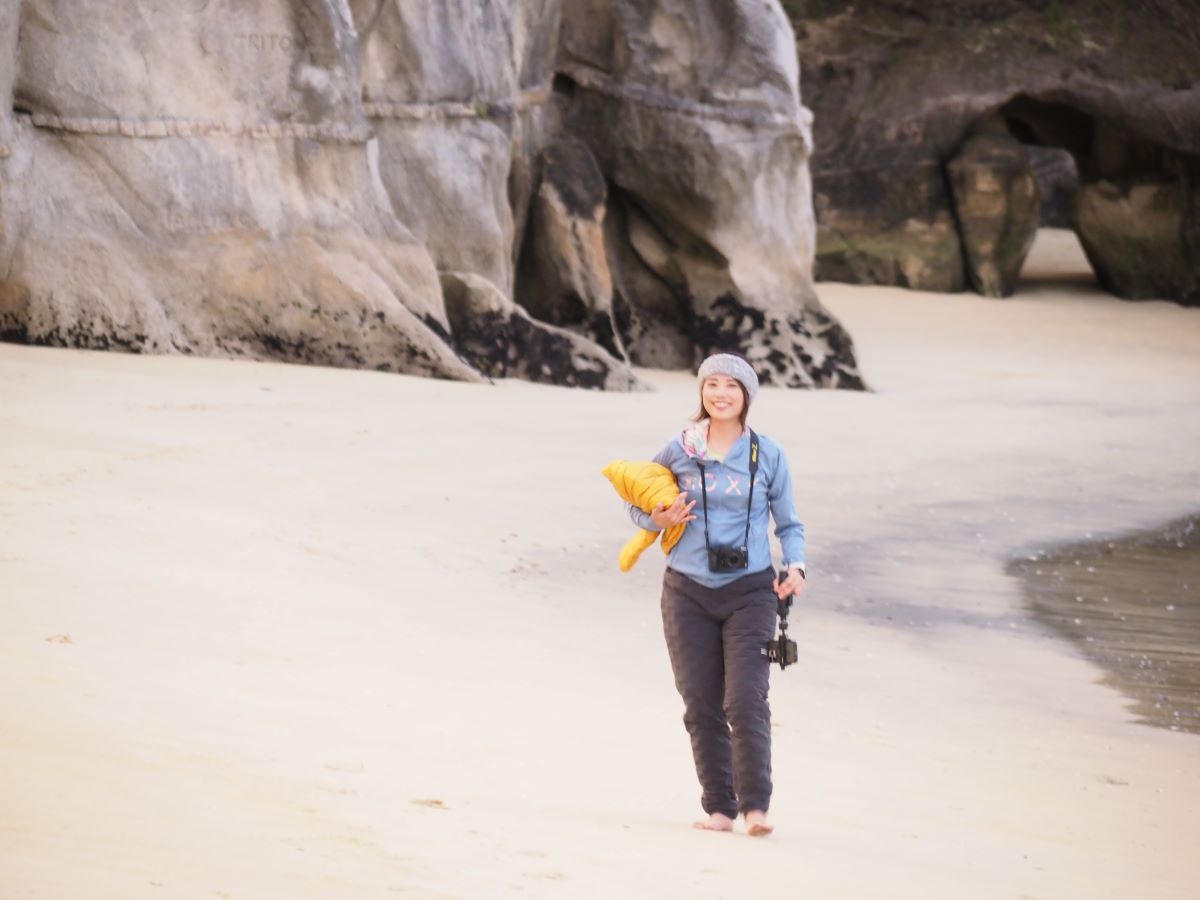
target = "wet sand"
x: 1131, y: 605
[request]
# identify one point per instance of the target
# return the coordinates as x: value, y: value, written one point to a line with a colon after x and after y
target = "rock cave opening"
x: 1132, y: 204
x: 1055, y: 137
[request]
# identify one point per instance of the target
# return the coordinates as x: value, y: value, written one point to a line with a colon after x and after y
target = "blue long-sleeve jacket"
x: 728, y: 490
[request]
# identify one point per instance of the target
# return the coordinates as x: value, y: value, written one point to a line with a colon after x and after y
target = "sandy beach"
x: 282, y: 632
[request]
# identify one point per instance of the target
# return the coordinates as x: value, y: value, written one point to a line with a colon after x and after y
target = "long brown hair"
x: 701, y: 414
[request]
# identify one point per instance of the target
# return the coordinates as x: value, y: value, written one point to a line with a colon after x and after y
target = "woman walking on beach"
x: 719, y: 591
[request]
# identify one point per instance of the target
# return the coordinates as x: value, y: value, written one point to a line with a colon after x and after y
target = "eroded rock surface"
x: 9, y: 12
x: 310, y: 180
x: 1131, y: 229
x: 997, y: 205
x: 502, y: 340
x: 897, y: 88
x: 564, y: 277
x: 185, y: 182
x: 692, y: 109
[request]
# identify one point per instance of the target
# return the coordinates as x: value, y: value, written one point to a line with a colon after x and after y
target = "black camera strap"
x: 749, y: 502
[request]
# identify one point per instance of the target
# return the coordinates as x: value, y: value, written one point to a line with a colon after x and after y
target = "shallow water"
x: 1131, y: 605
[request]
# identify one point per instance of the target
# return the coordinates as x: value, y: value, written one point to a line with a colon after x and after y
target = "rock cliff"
x: 902, y: 89
x: 549, y: 189
x: 692, y: 111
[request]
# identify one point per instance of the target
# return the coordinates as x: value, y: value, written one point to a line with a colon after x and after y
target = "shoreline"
x: 1130, y: 604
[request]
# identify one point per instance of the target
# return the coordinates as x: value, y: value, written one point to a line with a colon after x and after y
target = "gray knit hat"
x: 734, y: 367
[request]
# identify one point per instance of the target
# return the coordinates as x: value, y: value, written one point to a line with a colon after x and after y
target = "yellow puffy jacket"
x: 645, y: 485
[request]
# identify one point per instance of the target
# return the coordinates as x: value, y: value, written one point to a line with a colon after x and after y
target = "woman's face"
x: 722, y: 398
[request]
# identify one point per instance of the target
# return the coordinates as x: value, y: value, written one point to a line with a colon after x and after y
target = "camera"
x: 726, y: 559
x: 782, y: 651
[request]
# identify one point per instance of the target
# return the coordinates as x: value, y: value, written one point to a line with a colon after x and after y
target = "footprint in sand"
x: 431, y: 804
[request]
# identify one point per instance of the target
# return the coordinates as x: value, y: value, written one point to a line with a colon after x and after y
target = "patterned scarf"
x: 695, y: 440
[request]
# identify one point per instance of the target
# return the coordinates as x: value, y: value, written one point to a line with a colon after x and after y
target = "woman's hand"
x: 669, y: 516
x: 793, y: 585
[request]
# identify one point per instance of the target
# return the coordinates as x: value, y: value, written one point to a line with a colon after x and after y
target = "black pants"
x: 717, y: 639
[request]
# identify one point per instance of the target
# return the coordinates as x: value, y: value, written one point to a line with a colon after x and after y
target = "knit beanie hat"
x: 734, y: 367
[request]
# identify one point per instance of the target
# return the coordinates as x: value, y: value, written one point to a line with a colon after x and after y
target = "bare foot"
x: 756, y: 824
x: 715, y: 822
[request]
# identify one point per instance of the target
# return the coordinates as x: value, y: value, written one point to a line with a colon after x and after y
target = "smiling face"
x: 724, y: 399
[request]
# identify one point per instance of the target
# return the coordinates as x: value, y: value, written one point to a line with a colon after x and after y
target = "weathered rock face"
x: 692, y: 110
x: 1131, y: 229
x: 897, y: 88
x: 310, y: 180
x: 997, y: 205
x: 190, y: 184
x: 9, y: 10
x: 1138, y: 217
x: 501, y: 339
x: 889, y: 225
x: 564, y: 277
x: 450, y: 88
